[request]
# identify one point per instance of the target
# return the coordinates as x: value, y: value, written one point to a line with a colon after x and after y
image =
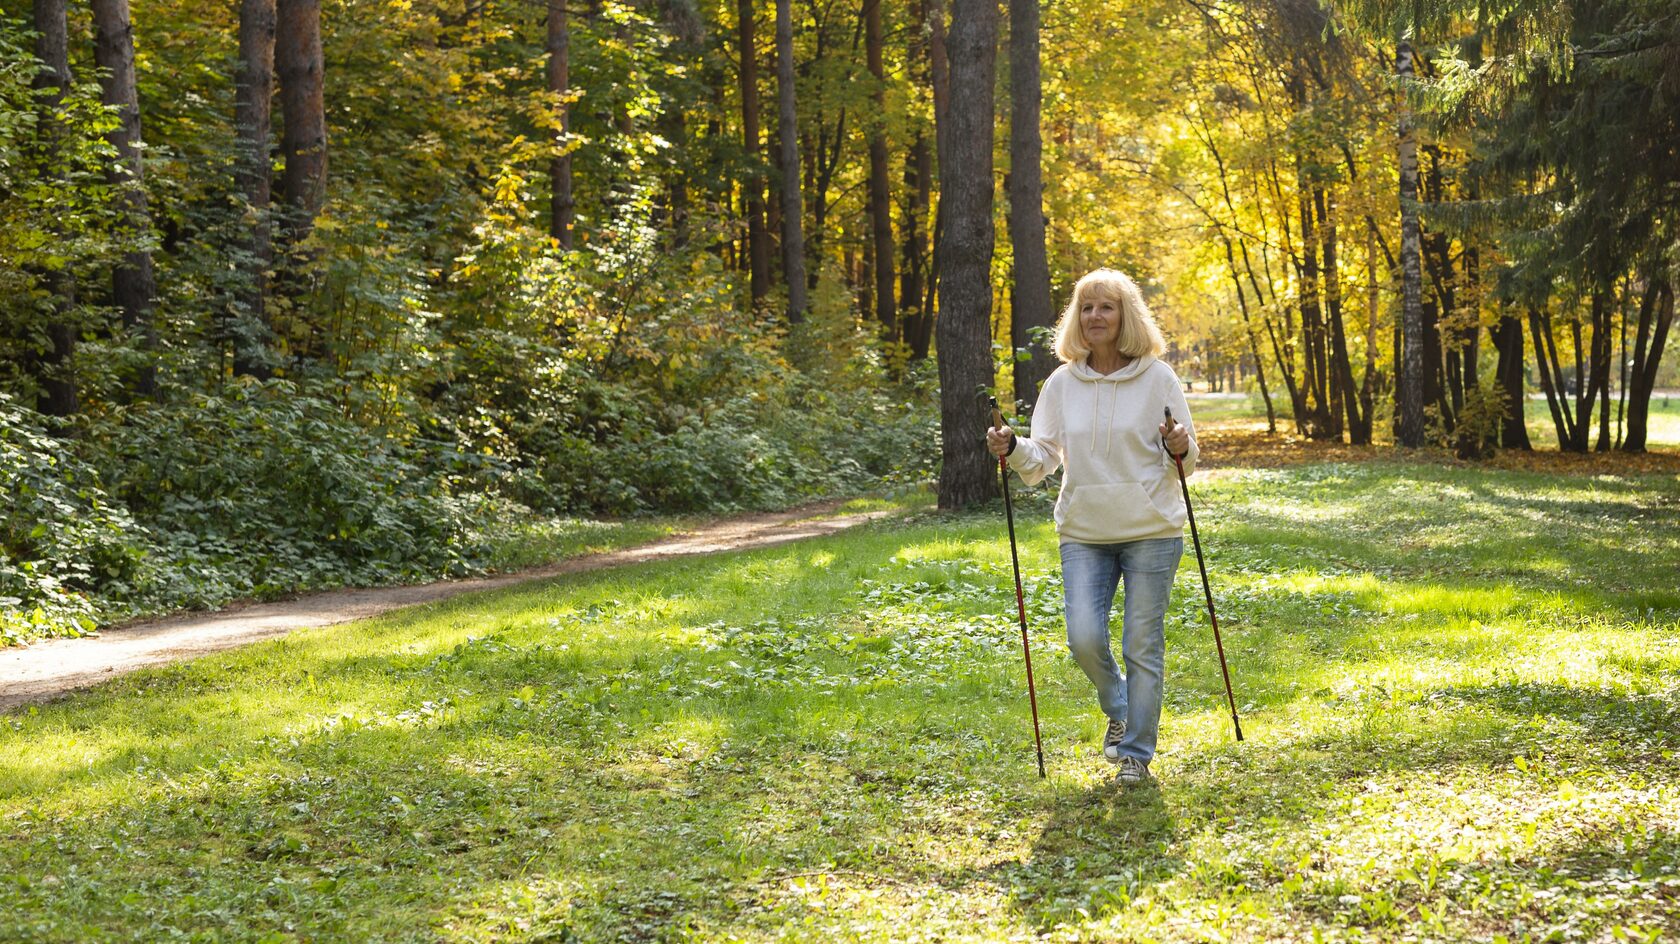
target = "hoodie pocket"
x: 1122, y: 511
x: 1167, y: 496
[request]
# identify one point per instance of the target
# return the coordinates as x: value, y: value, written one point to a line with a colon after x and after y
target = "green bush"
x: 783, y: 443
x: 269, y: 490
x: 61, y: 537
x: 655, y: 393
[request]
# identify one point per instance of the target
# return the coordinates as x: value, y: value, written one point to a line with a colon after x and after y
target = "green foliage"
x: 267, y: 489
x: 56, y: 219
x: 61, y: 535
x: 1479, y: 419
x: 792, y: 441
x: 263, y: 490
x: 621, y: 377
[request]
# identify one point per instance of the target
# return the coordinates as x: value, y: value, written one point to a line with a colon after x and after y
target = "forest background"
x: 298, y: 294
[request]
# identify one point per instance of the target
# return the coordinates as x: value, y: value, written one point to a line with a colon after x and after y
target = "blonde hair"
x: 1139, y: 335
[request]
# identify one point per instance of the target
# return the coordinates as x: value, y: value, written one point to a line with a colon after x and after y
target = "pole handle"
x: 1166, y: 411
x: 1170, y: 420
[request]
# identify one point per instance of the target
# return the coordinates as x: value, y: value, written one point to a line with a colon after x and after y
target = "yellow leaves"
x: 510, y: 186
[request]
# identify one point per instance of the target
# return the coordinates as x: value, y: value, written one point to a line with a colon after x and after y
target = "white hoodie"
x: 1120, y: 483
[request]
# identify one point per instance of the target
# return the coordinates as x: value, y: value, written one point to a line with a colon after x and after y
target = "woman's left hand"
x: 1177, y: 438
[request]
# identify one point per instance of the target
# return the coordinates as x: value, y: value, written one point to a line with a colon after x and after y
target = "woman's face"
x: 1099, y: 318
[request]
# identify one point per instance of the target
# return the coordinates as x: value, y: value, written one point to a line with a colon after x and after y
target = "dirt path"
x: 48, y: 669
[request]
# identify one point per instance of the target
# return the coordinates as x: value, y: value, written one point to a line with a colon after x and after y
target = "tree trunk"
x: 252, y: 102
x: 1409, y: 383
x: 819, y: 175
x: 1622, y: 363
x: 687, y: 31
x: 1603, y: 312
x: 1551, y: 375
x: 1340, y: 366
x: 1282, y: 353
x: 933, y: 71
x: 1312, y: 318
x: 812, y: 156
x: 1253, y: 343
x: 758, y: 238
x: 1585, y: 392
x: 1443, y: 379
x: 967, y: 473
x: 1030, y: 305
x: 1472, y: 438
x: 918, y: 168
x: 1369, y: 381
x: 563, y: 205
x: 793, y: 237
x: 1508, y: 341
x: 1647, y: 358
x: 57, y: 394
x: 866, y: 282
x: 133, y: 287
x: 939, y: 77
x: 1236, y: 280
x: 880, y: 192
x: 303, y: 142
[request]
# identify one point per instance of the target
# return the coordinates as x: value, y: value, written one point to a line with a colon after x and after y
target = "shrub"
x: 268, y: 490
x: 61, y: 537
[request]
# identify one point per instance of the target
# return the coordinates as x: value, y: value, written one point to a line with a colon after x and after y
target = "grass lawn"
x: 1460, y: 688
x: 1662, y: 426
x: 546, y: 540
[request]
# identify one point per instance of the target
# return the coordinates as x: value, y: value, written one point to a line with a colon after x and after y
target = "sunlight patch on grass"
x: 1478, y: 603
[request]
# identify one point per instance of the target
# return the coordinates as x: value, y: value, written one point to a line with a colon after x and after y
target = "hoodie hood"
x: 1105, y: 394
x: 1082, y: 370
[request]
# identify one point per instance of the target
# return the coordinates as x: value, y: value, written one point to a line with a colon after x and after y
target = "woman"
x: 1120, y: 515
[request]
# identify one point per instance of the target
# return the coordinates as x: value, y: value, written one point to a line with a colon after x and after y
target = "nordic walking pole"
x: 1179, y: 461
x: 1020, y: 601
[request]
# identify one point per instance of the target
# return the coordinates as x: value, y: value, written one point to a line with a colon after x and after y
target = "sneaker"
x: 1132, y: 772
x: 1111, y: 740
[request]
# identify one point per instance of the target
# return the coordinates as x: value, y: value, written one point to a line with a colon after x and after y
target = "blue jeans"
x: 1090, y: 575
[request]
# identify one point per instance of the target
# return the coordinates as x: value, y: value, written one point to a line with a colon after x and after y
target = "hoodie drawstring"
x: 1083, y: 371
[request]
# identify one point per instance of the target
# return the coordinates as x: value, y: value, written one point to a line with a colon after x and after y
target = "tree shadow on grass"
x: 1100, y: 847
x: 1541, y: 541
x: 1640, y: 723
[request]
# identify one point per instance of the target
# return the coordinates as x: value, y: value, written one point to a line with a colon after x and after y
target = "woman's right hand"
x: 998, y: 439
